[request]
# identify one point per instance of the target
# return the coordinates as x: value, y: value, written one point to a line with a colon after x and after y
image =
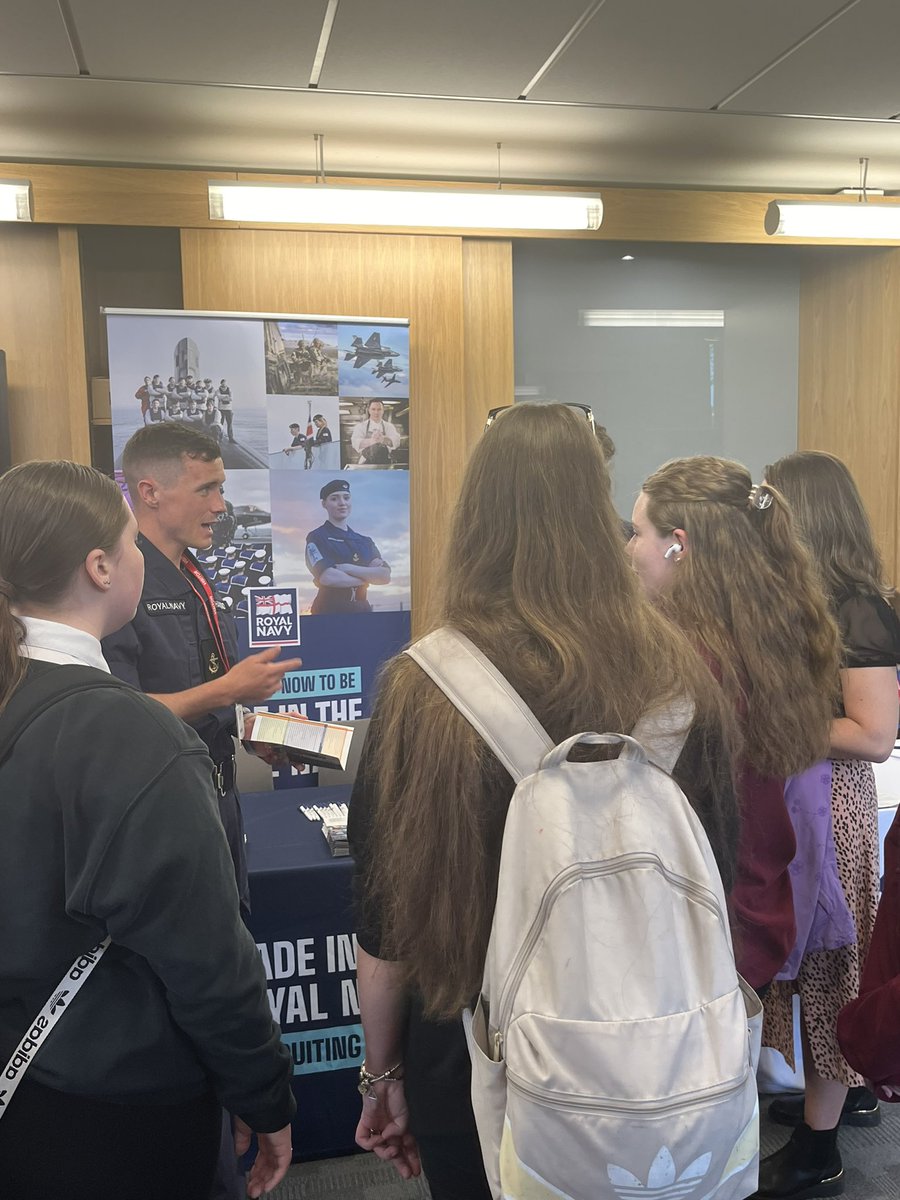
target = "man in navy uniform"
x: 343, y: 563
x: 181, y: 647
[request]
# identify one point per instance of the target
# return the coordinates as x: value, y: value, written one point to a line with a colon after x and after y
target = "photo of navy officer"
x: 343, y: 563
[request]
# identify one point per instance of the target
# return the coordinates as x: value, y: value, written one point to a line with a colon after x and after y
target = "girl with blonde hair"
x: 833, y: 522
x: 537, y: 577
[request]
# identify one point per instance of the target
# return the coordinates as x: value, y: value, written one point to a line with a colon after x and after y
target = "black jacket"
x: 110, y: 826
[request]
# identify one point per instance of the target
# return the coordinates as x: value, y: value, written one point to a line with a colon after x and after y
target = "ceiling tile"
x: 688, y: 54
x: 33, y: 39
x: 204, y: 41
x: 464, y: 48
x: 852, y: 68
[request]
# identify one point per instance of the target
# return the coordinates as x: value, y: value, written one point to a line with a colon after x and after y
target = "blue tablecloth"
x: 302, y: 924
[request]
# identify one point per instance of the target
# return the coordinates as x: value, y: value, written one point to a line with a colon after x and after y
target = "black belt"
x: 223, y: 775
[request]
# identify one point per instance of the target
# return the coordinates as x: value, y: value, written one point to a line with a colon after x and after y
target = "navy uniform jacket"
x: 166, y: 648
x: 328, y: 546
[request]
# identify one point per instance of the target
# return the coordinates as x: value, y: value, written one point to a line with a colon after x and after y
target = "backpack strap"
x: 663, y: 732
x: 47, y: 684
x: 472, y: 683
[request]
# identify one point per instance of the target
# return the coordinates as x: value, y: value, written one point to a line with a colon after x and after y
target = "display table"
x: 302, y: 924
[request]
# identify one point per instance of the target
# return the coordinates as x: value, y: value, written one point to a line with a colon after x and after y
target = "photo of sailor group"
x: 449, y: 727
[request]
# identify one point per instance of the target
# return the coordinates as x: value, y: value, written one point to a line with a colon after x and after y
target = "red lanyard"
x: 200, y: 585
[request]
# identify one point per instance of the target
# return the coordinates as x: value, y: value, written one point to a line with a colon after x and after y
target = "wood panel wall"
x: 80, y: 195
x: 849, y: 377
x: 42, y: 332
x: 458, y: 298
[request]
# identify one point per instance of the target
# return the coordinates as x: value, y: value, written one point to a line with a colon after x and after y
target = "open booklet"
x: 318, y: 743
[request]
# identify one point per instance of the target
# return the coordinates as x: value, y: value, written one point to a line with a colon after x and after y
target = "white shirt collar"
x: 51, y: 641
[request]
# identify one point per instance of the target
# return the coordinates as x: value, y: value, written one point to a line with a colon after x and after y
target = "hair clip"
x: 760, y: 497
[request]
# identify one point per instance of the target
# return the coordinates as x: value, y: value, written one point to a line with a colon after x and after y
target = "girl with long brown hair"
x: 833, y: 522
x: 537, y: 577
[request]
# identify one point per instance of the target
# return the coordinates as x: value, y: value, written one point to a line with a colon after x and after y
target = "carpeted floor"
x: 871, y: 1168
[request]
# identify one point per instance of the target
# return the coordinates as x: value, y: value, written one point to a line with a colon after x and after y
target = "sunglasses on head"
x: 585, y: 409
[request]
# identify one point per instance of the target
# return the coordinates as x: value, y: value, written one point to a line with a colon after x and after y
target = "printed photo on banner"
x: 374, y: 433
x: 207, y: 373
x: 343, y: 542
x: 301, y: 358
x: 373, y: 360
x: 304, y: 433
x: 241, y: 554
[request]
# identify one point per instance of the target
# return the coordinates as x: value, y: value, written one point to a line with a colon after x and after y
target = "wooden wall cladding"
x: 849, y: 384
x: 459, y: 303
x: 42, y: 332
x: 79, y: 195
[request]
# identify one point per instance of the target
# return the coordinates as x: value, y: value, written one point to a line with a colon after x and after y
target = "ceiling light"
x: 627, y: 258
x: 15, y: 200
x: 318, y: 204
x: 642, y: 318
x: 834, y: 219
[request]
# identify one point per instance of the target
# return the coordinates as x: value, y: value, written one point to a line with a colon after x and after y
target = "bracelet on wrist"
x: 367, y: 1080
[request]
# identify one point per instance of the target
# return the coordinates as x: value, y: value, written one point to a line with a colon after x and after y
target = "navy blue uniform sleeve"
x: 372, y: 551
x: 318, y: 555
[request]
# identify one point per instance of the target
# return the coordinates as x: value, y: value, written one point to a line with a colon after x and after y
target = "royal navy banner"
x: 312, y: 418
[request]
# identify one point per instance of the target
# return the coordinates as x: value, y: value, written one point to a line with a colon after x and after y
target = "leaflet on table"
x: 319, y: 743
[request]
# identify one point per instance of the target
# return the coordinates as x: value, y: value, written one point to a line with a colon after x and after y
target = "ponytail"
x: 12, y: 632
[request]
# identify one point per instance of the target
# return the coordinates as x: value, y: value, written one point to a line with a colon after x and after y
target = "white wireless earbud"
x: 675, y: 548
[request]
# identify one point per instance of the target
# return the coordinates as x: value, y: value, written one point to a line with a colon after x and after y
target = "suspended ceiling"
x: 773, y: 94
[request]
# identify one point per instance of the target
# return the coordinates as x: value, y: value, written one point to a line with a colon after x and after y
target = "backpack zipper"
x: 585, y: 871
x: 625, y: 1107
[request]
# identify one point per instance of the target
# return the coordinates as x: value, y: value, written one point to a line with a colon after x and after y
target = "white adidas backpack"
x: 614, y: 1046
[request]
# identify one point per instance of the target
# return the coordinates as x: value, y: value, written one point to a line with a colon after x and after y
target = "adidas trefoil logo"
x: 59, y: 1001
x: 662, y: 1181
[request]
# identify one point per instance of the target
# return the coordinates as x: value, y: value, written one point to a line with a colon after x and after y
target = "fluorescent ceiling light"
x: 642, y: 318
x: 15, y: 200
x: 847, y: 220
x: 318, y: 204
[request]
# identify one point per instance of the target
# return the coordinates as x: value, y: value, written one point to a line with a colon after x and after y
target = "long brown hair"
x: 748, y: 591
x: 536, y: 575
x: 52, y: 514
x: 831, y: 519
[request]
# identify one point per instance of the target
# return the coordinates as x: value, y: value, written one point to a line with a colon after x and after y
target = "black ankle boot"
x: 809, y: 1166
x: 860, y: 1108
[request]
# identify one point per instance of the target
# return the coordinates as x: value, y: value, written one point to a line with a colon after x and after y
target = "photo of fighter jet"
x: 384, y: 368
x: 368, y: 351
x: 389, y: 380
x: 248, y: 515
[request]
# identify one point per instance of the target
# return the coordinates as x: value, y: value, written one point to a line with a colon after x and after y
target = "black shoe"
x: 808, y: 1166
x: 860, y: 1108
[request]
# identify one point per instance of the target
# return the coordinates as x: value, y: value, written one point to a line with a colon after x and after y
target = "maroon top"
x: 869, y: 1027
x: 761, y: 904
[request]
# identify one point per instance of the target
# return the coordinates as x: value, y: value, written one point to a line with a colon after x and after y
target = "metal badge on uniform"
x: 211, y: 660
x: 274, y: 616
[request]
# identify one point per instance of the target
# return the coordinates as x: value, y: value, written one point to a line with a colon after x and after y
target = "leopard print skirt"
x: 829, y: 979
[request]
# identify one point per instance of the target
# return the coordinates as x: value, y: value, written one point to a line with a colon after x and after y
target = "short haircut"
x: 318, y: 417
x: 157, y: 447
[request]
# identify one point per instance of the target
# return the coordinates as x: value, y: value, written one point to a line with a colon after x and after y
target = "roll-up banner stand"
x: 312, y: 416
